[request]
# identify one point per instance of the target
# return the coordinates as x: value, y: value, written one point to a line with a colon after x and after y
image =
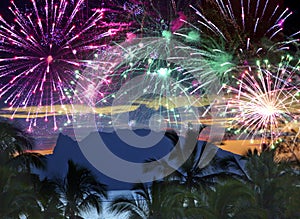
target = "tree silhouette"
x: 80, y: 191
x: 16, y: 195
x: 153, y: 201
x: 14, y: 146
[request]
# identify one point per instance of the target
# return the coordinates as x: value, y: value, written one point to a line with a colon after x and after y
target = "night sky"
x: 293, y: 23
x: 291, y: 26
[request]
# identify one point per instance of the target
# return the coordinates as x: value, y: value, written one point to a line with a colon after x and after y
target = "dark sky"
x: 293, y: 24
x: 3, y: 6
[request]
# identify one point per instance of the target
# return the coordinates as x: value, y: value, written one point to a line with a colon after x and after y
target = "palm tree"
x: 80, y: 191
x: 49, y: 200
x: 16, y: 196
x: 288, y: 148
x: 190, y: 175
x: 13, y: 139
x: 275, y: 184
x: 169, y: 197
x: 148, y: 202
x: 293, y: 203
x: 14, y: 146
x: 231, y: 199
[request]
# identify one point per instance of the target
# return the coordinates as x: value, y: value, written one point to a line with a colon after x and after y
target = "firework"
x: 147, y: 80
x: 263, y: 101
x: 231, y: 34
x: 251, y: 27
x: 151, y: 18
x: 44, y: 51
x: 148, y: 60
x: 213, y: 68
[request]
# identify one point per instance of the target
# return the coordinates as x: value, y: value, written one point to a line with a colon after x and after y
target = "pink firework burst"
x: 44, y: 52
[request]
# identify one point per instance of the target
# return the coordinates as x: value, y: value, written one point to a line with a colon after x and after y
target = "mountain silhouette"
x: 68, y: 149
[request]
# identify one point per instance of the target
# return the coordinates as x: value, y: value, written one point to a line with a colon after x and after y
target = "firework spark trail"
x: 161, y: 62
x: 215, y: 65
x: 244, y: 26
x: 263, y: 101
x: 231, y: 14
x: 149, y: 60
x: 219, y: 61
x: 226, y: 47
x: 44, y: 53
